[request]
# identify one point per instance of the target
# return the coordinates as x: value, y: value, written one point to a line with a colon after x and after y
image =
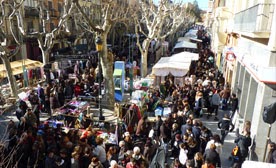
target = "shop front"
x: 27, y: 72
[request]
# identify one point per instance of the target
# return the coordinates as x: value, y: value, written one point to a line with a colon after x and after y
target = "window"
x: 52, y: 26
x: 50, y: 5
x: 60, y: 9
x: 30, y: 26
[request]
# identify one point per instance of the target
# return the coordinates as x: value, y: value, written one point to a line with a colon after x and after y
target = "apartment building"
x: 244, y: 41
x: 52, y: 11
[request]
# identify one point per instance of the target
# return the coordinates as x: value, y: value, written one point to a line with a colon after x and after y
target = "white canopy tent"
x: 177, y: 65
x: 185, y: 55
x: 185, y: 44
x: 183, y: 39
x: 191, y: 33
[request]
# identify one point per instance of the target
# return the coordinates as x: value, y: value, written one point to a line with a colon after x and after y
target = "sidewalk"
x: 229, y: 140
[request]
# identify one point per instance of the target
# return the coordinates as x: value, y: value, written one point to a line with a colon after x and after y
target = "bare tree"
x: 8, y: 35
x: 157, y: 22
x: 111, y: 11
x: 46, y: 37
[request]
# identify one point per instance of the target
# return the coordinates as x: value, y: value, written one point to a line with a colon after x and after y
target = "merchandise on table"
x: 73, y: 107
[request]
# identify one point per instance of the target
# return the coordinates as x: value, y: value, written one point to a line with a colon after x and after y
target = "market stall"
x: 177, y: 65
x: 185, y: 46
x: 19, y: 66
x: 167, y: 65
x: 74, y: 107
x: 27, y: 72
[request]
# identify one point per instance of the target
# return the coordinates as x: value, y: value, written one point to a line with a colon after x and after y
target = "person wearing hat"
x: 136, y: 153
x: 128, y: 141
x: 114, y: 164
x: 122, y: 151
x: 137, y: 159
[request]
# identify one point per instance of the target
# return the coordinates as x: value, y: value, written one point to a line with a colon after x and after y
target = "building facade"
x: 244, y: 40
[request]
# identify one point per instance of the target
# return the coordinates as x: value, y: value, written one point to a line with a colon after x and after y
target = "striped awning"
x: 17, y: 66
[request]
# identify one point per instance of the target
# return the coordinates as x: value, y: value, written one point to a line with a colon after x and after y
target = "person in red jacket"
x: 77, y: 89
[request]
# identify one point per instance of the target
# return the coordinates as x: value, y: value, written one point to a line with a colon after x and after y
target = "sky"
x: 203, y: 4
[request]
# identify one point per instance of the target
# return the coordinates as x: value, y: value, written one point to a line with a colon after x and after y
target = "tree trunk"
x: 45, y: 56
x: 12, y: 82
x: 107, y: 69
x: 45, y: 59
x: 144, y: 58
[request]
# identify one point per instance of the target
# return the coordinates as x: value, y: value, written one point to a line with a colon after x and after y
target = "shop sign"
x: 254, y: 67
x: 230, y: 56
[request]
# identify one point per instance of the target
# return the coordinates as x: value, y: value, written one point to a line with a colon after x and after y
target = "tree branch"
x: 86, y: 17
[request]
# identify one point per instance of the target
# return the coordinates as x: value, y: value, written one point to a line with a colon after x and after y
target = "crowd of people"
x: 186, y: 141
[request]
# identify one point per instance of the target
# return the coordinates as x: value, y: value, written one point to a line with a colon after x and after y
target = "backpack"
x: 269, y: 114
x: 235, y: 151
x: 236, y: 154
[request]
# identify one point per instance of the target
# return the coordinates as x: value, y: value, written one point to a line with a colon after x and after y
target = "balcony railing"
x: 255, y: 19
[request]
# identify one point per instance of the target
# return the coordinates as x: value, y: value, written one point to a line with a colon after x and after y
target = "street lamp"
x: 99, y: 47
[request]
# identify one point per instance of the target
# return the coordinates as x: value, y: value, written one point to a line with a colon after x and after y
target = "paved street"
x: 228, y: 142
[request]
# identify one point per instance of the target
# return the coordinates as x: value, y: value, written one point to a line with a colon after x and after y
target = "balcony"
x: 255, y: 21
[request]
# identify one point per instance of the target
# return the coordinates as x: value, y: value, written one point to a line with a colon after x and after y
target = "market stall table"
x: 73, y: 107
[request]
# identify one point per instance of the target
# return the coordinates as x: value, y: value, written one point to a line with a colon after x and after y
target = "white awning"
x: 185, y: 44
x: 185, y: 55
x: 177, y: 65
x: 183, y: 39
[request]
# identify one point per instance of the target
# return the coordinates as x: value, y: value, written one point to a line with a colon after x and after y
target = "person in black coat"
x: 19, y: 112
x: 212, y: 156
x: 175, y: 146
x: 243, y: 142
x: 225, y: 126
x: 234, y: 104
x: 157, y: 126
x: 205, y: 136
x: 50, y: 158
x: 165, y: 131
x: 196, y: 130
